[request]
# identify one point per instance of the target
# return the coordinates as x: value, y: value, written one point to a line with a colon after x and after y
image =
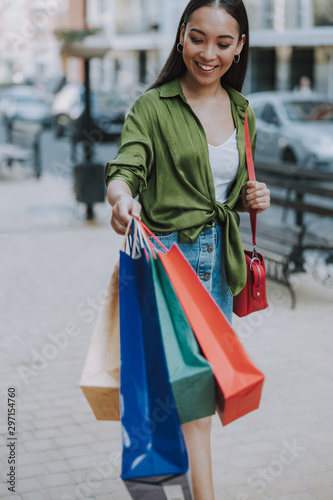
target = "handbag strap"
x: 252, y: 177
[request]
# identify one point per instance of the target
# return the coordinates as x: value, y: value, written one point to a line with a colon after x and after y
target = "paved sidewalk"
x: 53, y: 266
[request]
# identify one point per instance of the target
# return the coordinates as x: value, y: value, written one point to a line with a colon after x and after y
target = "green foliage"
x: 70, y: 36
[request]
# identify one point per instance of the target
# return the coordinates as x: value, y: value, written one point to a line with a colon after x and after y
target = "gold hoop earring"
x: 179, y: 47
x: 236, y: 61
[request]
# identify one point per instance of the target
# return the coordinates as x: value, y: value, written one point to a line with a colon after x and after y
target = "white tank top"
x: 224, y: 162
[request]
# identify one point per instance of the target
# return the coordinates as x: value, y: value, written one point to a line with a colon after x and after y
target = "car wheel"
x: 289, y: 156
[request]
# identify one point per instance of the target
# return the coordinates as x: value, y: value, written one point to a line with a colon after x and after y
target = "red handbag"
x: 253, y: 296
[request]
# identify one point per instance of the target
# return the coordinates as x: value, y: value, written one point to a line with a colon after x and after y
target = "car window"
x: 304, y: 111
x: 258, y: 108
x: 269, y: 115
x: 28, y: 100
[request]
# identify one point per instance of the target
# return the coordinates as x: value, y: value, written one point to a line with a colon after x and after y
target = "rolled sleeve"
x: 135, y: 156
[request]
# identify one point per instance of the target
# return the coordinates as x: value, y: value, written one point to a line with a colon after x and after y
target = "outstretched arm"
x: 123, y: 205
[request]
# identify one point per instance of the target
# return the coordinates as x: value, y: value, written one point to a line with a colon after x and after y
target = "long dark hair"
x: 175, y: 66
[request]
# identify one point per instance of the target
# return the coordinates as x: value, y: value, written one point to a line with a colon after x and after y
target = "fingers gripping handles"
x: 136, y: 237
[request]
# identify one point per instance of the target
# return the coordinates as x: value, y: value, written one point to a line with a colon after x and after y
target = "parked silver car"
x: 107, y: 112
x: 294, y: 127
x: 25, y: 103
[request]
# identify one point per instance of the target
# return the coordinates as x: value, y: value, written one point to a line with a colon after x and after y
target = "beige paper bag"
x: 100, y: 378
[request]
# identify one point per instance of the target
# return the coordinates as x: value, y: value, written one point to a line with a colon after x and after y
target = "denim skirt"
x: 206, y: 257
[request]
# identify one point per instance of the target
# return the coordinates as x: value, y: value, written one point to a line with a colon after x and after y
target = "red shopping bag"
x: 239, y: 380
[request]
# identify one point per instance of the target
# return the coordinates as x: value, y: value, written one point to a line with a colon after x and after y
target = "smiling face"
x: 210, y: 40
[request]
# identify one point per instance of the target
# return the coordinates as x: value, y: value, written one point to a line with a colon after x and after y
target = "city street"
x: 54, y: 266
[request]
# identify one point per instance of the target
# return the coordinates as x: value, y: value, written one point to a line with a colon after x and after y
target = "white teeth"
x: 206, y: 68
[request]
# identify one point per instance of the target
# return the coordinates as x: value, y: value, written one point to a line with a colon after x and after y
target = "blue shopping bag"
x: 154, y: 460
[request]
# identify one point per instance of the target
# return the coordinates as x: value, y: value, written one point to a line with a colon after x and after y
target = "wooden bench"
x: 23, y: 146
x: 299, y: 192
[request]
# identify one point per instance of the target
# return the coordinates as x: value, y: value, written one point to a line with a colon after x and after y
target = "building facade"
x: 27, y: 44
x: 288, y: 39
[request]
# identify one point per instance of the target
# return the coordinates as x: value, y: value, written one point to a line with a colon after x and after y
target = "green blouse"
x: 163, y: 157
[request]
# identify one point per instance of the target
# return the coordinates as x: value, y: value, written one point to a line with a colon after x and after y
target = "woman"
x: 182, y: 151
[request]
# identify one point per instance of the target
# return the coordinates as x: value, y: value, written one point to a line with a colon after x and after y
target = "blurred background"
x: 289, y: 39
x: 44, y: 73
x: 51, y: 51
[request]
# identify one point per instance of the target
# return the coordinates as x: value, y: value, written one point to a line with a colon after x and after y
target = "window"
x: 269, y: 115
x: 258, y: 109
x: 323, y: 12
x: 303, y: 111
x: 268, y: 14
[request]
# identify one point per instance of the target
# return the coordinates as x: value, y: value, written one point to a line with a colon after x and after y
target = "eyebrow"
x: 203, y: 33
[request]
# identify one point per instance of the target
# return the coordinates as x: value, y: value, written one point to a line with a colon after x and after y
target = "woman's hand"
x: 255, y: 196
x: 125, y: 208
x: 123, y: 205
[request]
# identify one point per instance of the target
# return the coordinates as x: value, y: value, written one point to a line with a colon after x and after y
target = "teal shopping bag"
x: 190, y: 374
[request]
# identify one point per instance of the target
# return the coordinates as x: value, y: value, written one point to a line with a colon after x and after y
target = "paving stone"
x: 326, y: 447
x: 27, y: 485
x: 249, y: 462
x: 23, y: 436
x: 309, y: 466
x: 87, y: 485
x: 105, y: 446
x: 80, y: 463
x: 286, y: 485
x: 12, y: 497
x: 63, y: 493
x: 30, y: 407
x: 26, y: 425
x: 51, y: 422
x: 72, y: 429
x: 75, y: 451
x: 306, y: 495
x: 33, y: 470
x: 121, y: 495
x: 327, y: 461
x: 221, y: 468
x: 322, y: 493
x: 296, y: 496
x: 59, y: 479
x: 242, y: 493
x: 55, y: 454
x: 77, y: 439
x: 42, y: 445
x: 50, y: 432
x: 228, y: 480
x: 36, y: 495
x: 316, y: 480
x: 57, y: 466
x: 82, y: 418
x: 221, y: 495
x: 113, y: 485
x: 3, y: 485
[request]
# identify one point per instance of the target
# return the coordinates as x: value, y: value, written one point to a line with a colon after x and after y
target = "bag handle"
x: 132, y: 224
x: 147, y: 230
x: 252, y: 177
